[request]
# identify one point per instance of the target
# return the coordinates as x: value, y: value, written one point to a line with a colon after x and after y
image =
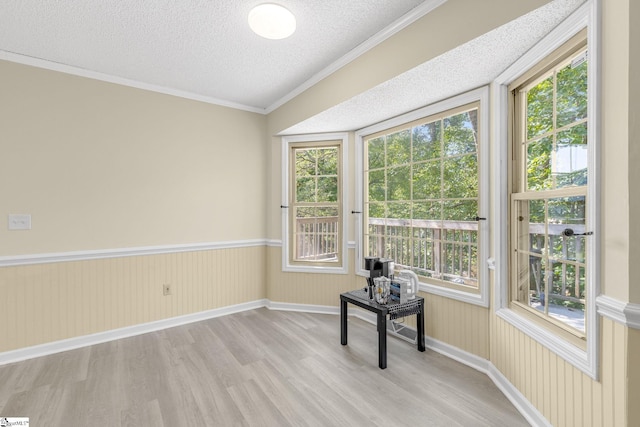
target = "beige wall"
x: 634, y: 213
x: 615, y: 149
x: 634, y: 148
x: 101, y: 166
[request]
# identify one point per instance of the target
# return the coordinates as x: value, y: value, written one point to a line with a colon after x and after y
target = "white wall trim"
x: 303, y: 308
x: 397, y: 26
x: 526, y: 409
x: 10, y: 261
x: 81, y: 72
x: 626, y: 313
x: 129, y: 331
x: 274, y: 243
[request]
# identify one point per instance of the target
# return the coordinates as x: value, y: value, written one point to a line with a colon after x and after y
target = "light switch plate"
x: 19, y: 222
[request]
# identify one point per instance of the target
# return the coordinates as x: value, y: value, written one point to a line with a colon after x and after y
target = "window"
x: 549, y: 233
x: 313, y: 224
x: 546, y: 174
x: 422, y: 195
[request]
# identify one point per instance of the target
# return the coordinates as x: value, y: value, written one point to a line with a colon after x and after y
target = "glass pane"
x: 427, y: 180
x: 399, y: 183
x: 377, y: 186
x: 375, y: 149
x: 540, y: 108
x: 460, y: 133
x: 537, y: 283
x: 426, y: 141
x: 316, y: 234
x: 399, y: 148
x: 328, y: 189
x: 572, y: 94
x: 571, y: 157
x: 305, y: 212
x: 539, y: 164
x: 460, y: 177
x: 567, y: 211
x: 460, y: 210
x: 540, y: 249
x: 305, y: 162
x: 328, y: 161
x: 423, y: 258
x: 306, y: 189
x: 327, y: 211
x: 427, y: 211
x: 530, y: 223
x: 400, y: 211
x: 376, y: 210
x: 564, y: 304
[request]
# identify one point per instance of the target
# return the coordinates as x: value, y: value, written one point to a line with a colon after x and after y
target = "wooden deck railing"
x: 317, y: 238
x: 445, y: 250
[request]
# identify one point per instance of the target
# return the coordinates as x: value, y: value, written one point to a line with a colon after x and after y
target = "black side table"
x: 361, y: 299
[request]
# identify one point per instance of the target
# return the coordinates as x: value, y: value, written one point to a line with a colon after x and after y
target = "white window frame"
x: 481, y: 96
x: 586, y: 16
x: 287, y: 141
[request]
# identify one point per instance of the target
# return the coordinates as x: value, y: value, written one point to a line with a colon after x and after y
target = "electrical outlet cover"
x: 19, y: 222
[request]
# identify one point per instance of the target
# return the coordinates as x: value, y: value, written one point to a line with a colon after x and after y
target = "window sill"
x: 468, y: 297
x: 313, y: 269
x: 479, y: 298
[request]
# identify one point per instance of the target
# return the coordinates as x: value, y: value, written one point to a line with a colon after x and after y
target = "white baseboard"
x: 129, y: 331
x: 526, y: 409
x: 303, y: 308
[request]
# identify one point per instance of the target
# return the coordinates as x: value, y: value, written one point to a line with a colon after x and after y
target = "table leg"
x: 343, y: 322
x: 420, y: 321
x: 382, y: 340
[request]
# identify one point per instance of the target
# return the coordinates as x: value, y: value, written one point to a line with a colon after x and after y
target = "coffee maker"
x: 377, y: 267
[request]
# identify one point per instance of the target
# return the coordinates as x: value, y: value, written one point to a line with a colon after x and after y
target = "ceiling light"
x: 272, y: 21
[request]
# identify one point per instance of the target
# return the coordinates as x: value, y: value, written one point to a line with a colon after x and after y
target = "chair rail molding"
x: 623, y: 312
x: 10, y: 261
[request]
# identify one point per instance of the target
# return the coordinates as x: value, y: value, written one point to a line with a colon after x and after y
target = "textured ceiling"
x: 204, y: 49
x: 467, y: 67
x: 199, y: 47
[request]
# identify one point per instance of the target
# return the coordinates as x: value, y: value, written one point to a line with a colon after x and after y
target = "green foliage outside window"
x: 555, y: 158
x: 422, y: 181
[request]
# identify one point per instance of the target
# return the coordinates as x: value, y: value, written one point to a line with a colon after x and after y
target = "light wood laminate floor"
x: 256, y: 368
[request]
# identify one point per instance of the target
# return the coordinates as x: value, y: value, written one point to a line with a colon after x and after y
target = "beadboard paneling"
x: 49, y: 302
x: 462, y: 325
x: 563, y: 394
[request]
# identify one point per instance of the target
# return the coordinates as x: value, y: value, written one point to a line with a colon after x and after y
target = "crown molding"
x: 81, y: 72
x: 397, y: 26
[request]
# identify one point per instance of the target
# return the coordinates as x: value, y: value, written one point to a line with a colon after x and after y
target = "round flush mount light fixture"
x: 272, y: 21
